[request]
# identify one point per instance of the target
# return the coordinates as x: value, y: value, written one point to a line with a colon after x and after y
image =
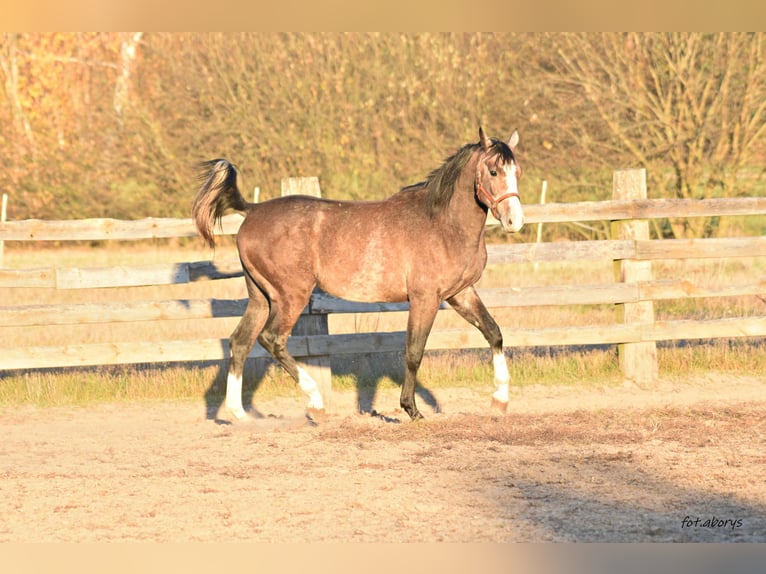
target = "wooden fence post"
x: 312, y: 323
x: 638, y: 361
x: 540, y: 225
x: 3, y: 215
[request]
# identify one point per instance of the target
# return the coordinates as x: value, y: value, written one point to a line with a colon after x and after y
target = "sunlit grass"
x: 76, y: 386
x: 583, y: 367
x: 732, y: 356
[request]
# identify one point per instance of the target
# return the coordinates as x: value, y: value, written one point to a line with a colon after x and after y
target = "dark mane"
x: 440, y: 183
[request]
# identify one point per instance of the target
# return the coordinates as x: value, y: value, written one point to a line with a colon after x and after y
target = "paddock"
x: 618, y: 464
x: 653, y: 458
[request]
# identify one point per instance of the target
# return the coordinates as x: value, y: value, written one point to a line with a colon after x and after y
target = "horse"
x: 424, y: 244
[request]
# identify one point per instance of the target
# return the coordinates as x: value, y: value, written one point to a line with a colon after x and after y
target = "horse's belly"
x: 368, y: 285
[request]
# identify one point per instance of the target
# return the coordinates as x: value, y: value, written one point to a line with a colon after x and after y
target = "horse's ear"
x: 483, y: 139
x: 514, y: 141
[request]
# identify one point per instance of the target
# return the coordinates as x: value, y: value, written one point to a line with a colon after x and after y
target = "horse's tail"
x: 217, y: 193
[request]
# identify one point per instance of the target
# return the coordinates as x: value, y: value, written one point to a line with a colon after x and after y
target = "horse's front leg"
x: 421, y: 319
x: 469, y: 306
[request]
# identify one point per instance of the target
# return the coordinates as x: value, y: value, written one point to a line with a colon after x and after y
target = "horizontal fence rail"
x: 626, y: 293
x: 308, y: 346
x: 322, y: 303
x: 177, y: 273
x: 154, y: 228
x: 120, y: 276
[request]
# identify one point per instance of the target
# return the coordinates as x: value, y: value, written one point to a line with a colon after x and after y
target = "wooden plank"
x: 701, y: 248
x: 164, y: 274
x: 28, y: 278
x: 124, y: 353
x: 723, y: 206
x: 639, y: 209
x: 683, y: 289
x: 353, y: 343
x: 596, y: 294
x: 707, y: 329
x: 151, y: 228
x: 122, y: 276
x: 322, y: 303
x: 110, y: 354
x: 306, y: 346
x: 106, y: 229
x: 88, y: 313
x: 590, y: 335
x: 606, y: 293
x: 447, y: 339
x: 539, y: 295
x: 571, y: 212
x: 560, y: 251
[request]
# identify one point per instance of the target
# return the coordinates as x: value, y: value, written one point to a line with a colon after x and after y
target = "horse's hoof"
x: 316, y: 415
x: 236, y: 415
x: 416, y: 416
x: 499, y: 405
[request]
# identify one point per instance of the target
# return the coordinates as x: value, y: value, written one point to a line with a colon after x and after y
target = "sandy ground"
x: 677, y: 461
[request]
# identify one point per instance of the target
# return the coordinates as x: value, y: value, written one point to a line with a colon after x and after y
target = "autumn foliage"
x: 111, y: 124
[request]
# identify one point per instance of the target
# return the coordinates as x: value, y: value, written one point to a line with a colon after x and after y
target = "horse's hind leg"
x: 284, y: 315
x: 240, y: 343
x: 469, y: 306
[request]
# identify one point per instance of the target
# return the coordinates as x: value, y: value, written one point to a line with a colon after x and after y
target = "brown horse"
x: 424, y: 245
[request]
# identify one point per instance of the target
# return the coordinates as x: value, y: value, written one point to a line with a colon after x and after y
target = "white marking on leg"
x: 309, y: 386
x: 502, y: 377
x: 234, y: 395
x: 501, y: 368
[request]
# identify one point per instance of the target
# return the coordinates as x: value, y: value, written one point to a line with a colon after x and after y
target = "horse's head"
x: 497, y: 181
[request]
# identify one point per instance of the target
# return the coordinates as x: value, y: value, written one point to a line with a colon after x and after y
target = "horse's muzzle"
x: 510, y: 215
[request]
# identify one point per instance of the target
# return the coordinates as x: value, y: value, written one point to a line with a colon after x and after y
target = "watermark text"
x: 712, y: 522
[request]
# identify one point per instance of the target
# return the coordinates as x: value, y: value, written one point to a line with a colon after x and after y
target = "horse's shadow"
x: 369, y: 373
x: 373, y: 370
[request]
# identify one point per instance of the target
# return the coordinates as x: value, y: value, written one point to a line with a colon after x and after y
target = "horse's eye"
x: 492, y: 172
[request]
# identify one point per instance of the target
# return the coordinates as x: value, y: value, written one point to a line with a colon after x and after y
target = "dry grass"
x: 616, y: 427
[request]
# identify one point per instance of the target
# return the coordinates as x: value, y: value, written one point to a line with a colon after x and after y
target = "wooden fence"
x: 633, y: 291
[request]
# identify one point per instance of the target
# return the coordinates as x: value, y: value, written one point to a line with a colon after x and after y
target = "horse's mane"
x: 440, y: 183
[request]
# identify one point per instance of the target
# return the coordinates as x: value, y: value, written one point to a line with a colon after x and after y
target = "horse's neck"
x: 463, y: 212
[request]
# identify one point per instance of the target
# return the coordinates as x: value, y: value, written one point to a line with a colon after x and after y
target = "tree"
x: 9, y: 64
x: 128, y: 44
x: 694, y: 103
x: 63, y: 94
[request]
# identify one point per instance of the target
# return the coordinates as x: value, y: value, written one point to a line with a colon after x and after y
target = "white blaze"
x: 517, y: 214
x: 514, y: 204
